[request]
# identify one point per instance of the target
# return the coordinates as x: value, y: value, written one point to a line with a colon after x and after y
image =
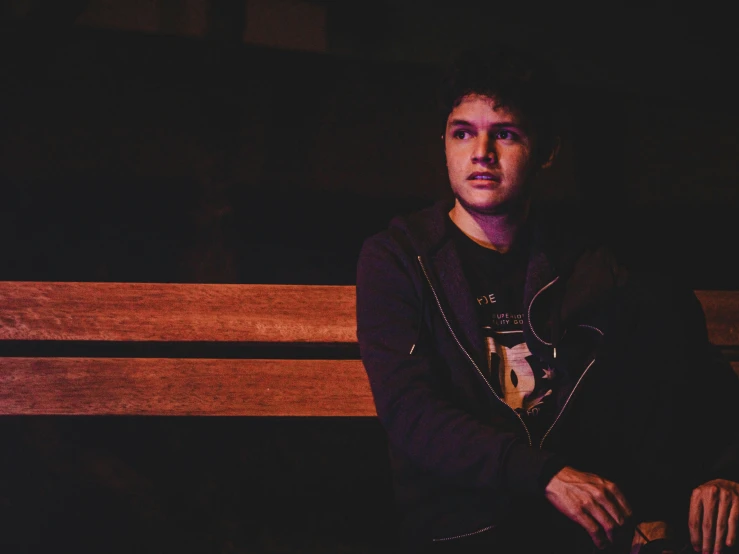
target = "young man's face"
x: 489, y: 156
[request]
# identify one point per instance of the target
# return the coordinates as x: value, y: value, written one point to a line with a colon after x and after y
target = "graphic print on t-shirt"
x: 518, y: 371
x: 497, y: 283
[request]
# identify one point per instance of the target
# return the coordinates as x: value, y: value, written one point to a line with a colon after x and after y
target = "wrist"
x: 550, y: 469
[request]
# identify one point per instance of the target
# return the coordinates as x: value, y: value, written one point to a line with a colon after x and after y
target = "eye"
x: 461, y: 134
x: 505, y: 134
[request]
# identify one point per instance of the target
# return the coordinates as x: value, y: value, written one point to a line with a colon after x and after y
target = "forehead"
x: 481, y: 110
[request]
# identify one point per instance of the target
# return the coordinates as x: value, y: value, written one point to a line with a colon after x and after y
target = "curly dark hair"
x: 515, y: 79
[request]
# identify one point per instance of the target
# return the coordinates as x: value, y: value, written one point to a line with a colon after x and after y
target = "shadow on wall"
x: 166, y: 231
x: 130, y: 157
x: 135, y: 230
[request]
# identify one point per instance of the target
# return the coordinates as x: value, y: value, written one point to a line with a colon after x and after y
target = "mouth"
x: 484, y: 177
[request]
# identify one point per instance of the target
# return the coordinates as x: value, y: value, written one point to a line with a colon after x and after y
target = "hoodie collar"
x: 552, y: 250
x: 551, y: 258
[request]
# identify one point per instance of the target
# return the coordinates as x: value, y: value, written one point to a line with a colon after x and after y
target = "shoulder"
x: 411, y: 234
x: 577, y: 252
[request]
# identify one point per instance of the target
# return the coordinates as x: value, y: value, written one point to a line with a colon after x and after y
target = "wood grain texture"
x: 176, y: 312
x: 722, y: 315
x: 195, y: 312
x: 179, y: 387
x: 183, y: 312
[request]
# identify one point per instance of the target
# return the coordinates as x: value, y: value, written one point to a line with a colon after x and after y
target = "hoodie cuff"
x: 529, y: 470
x: 551, y: 467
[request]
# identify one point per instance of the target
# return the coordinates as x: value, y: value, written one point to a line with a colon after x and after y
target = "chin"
x: 487, y: 208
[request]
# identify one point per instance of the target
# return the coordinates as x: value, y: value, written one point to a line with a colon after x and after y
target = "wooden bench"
x: 203, y: 349
x: 180, y: 349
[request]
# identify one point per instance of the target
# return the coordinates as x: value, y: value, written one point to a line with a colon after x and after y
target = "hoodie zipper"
x: 470, y: 358
x: 482, y: 375
x: 473, y: 533
x: 572, y: 392
x: 545, y: 287
x: 541, y: 444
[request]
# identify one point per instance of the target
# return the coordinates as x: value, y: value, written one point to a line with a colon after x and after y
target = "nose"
x: 484, y: 150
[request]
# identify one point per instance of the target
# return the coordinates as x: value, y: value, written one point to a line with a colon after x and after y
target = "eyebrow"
x: 465, y: 123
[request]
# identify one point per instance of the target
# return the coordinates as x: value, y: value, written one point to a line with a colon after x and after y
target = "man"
x: 537, y: 396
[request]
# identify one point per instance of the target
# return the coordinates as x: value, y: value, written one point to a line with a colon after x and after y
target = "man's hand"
x: 714, y: 516
x: 590, y: 501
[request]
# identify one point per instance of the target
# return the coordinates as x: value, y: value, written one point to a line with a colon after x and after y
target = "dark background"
x: 261, y: 142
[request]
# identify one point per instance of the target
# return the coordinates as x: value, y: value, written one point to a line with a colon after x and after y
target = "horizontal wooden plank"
x: 179, y: 387
x: 722, y: 315
x: 176, y: 312
x: 215, y: 312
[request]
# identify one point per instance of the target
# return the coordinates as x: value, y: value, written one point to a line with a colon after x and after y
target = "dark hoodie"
x: 639, y: 405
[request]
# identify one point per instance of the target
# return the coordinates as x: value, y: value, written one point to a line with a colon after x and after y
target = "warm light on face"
x: 489, y: 156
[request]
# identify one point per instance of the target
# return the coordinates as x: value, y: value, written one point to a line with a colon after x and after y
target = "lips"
x: 484, y: 177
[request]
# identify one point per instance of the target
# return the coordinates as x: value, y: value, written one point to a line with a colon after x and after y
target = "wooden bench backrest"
x: 227, y: 367
x: 192, y: 349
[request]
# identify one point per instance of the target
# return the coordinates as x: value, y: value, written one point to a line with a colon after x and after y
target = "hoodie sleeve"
x: 416, y: 411
x: 716, y: 392
x: 693, y: 435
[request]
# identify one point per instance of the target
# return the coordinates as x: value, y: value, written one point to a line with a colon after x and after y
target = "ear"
x: 553, y: 154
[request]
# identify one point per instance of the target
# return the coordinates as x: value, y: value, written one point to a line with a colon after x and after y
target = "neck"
x: 495, y: 231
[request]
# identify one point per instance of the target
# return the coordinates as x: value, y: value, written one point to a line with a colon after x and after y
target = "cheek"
x: 455, y: 159
x: 456, y: 170
x: 519, y: 162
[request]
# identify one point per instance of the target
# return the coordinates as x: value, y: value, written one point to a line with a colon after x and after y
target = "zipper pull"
x: 554, y: 352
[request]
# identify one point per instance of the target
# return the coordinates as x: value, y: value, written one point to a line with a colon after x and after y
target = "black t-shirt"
x: 522, y: 380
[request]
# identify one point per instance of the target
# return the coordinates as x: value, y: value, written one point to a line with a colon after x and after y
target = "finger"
x: 604, y: 520
x: 621, y: 505
x: 708, y: 526
x: 733, y: 524
x: 722, y: 516
x: 694, y: 522
x: 612, y: 504
x: 593, y: 528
